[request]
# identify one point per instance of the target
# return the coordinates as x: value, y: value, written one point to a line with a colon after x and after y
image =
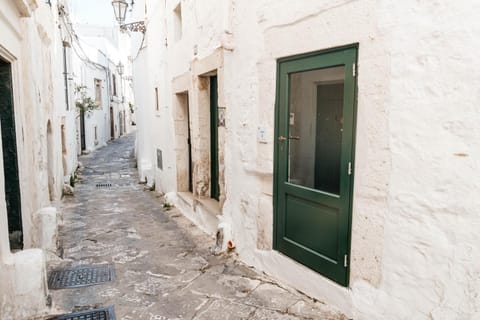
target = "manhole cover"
x: 81, y: 276
x: 94, y: 314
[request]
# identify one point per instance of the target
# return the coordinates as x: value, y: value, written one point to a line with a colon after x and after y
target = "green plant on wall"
x: 84, y: 103
x: 132, y: 107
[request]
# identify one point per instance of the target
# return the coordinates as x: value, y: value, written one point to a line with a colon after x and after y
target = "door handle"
x: 282, y: 138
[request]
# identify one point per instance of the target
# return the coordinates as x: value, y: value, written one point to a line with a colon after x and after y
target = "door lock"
x: 282, y: 138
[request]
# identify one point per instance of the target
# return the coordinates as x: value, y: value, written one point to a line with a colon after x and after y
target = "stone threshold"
x: 204, y: 212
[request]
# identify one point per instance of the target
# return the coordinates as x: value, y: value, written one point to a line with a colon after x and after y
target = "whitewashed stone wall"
x: 143, y: 68
x: 158, y: 64
x: 96, y: 57
x: 66, y: 113
x: 415, y: 252
x: 29, y: 40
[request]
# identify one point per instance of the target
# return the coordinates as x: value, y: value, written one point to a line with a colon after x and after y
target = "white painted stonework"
x: 46, y: 222
x: 100, y: 46
x: 24, y: 285
x: 31, y: 41
x: 414, y: 246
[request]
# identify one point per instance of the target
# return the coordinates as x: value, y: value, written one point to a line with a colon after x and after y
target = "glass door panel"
x: 315, y: 128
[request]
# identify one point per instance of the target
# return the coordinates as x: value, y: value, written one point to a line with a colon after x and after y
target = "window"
x: 177, y: 22
x: 98, y: 92
x: 157, y: 107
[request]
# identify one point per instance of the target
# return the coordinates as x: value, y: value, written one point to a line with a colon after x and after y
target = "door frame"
x: 276, y: 165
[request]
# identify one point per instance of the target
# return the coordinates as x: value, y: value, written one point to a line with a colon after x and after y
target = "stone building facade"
x: 38, y: 150
x: 42, y: 64
x: 96, y: 76
x: 379, y: 218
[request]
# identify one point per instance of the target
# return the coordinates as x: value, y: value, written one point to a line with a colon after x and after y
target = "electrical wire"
x: 76, y: 42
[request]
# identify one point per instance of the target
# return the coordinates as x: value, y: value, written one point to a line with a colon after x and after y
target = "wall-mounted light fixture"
x: 120, y: 68
x: 120, y: 9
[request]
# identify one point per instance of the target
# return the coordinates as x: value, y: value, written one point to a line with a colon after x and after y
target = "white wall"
x: 29, y: 41
x: 32, y: 39
x: 97, y: 55
x: 143, y: 94
x: 67, y: 113
x: 157, y: 65
x: 415, y: 232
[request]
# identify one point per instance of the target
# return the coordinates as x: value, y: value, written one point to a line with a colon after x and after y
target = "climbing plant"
x: 84, y: 102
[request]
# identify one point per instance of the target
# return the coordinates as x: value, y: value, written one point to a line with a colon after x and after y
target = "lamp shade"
x: 120, y: 10
x: 120, y: 68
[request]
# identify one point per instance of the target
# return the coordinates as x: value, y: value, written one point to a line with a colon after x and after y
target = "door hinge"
x: 354, y: 70
x: 349, y: 168
x: 345, y: 260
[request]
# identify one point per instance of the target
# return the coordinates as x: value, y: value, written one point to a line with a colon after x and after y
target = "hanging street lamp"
x: 120, y: 9
x: 120, y: 68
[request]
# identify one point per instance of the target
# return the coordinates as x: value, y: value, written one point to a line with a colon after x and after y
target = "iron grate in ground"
x: 103, y: 185
x: 81, y: 276
x: 94, y: 314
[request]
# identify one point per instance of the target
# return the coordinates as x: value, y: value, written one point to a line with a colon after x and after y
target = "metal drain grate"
x: 81, y: 276
x: 103, y: 185
x: 94, y: 314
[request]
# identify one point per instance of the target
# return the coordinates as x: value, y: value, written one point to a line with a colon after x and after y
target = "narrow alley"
x: 225, y: 159
x: 164, y: 268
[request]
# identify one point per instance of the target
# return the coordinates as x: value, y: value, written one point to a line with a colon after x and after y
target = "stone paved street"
x: 164, y: 268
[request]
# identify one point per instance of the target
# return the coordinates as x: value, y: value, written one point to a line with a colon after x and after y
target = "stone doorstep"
x: 203, y: 212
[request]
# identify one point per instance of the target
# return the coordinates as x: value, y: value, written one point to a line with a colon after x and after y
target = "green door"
x: 215, y: 187
x: 10, y: 159
x: 315, y: 121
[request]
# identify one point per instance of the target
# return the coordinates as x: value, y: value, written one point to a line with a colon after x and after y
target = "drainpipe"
x: 65, y: 73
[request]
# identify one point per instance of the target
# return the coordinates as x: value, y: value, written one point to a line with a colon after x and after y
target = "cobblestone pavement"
x: 164, y: 268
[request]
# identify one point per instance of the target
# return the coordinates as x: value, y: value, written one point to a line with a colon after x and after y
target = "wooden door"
x: 10, y: 158
x: 315, y: 121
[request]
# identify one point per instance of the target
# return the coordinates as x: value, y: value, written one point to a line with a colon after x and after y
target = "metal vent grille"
x: 103, y: 185
x: 81, y: 276
x: 94, y: 314
x: 159, y: 159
